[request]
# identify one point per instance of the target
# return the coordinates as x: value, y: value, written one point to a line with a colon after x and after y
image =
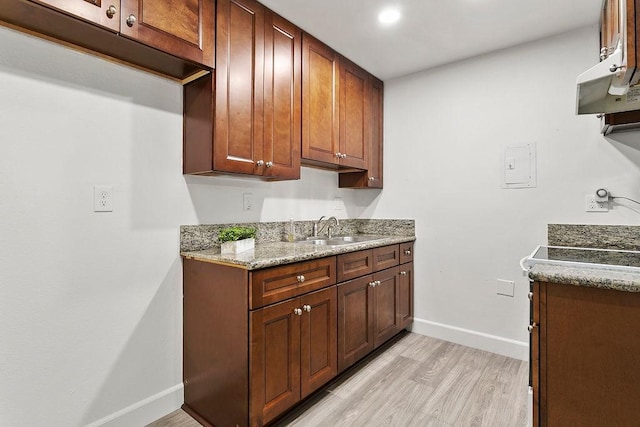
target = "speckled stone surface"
x: 595, y: 236
x: 200, y: 237
x: 270, y: 254
x: 200, y: 241
x: 619, y: 237
x: 589, y: 277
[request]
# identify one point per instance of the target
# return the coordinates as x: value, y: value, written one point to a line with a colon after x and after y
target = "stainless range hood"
x: 608, y: 87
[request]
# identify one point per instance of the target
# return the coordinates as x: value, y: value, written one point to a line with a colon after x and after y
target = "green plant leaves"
x: 231, y: 234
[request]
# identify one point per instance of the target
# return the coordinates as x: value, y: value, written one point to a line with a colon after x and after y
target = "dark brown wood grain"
x: 589, y: 356
x: 406, y: 252
x: 354, y: 98
x: 320, y: 101
x: 318, y: 342
x: 282, y: 97
x: 275, y: 360
x: 215, y: 359
x: 355, y: 321
x: 405, y: 295
x: 276, y: 284
x: 385, y: 305
x: 197, y: 148
x: 386, y: 257
x: 354, y: 264
x: 87, y: 25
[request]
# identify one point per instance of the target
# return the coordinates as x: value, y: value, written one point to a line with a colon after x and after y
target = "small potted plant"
x: 234, y: 240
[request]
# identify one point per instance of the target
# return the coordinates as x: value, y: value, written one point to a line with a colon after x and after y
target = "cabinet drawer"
x: 279, y: 283
x: 406, y: 252
x: 386, y: 257
x: 355, y: 264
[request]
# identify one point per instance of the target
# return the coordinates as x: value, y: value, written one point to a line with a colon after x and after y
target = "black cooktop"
x: 597, y: 257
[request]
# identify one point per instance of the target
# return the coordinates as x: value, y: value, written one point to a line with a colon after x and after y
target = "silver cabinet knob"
x: 260, y: 163
x: 378, y: 283
x: 531, y: 327
x: 403, y: 273
x: 131, y: 19
x: 111, y: 12
x: 297, y: 312
x: 530, y: 295
x: 407, y: 252
x: 603, y: 54
x: 269, y: 164
x: 372, y: 284
x: 300, y: 278
x: 372, y: 178
x: 306, y: 308
x: 338, y: 155
x: 344, y: 156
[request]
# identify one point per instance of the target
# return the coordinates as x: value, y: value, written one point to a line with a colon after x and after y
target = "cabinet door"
x: 405, y: 296
x: 97, y: 12
x: 355, y: 321
x: 275, y: 360
x: 354, y: 120
x: 320, y: 89
x: 385, y: 305
x: 282, y: 98
x: 239, y: 87
x: 374, y: 179
x: 318, y: 340
x: 183, y: 28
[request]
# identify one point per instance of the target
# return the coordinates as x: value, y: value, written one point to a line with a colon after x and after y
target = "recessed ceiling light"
x: 389, y: 16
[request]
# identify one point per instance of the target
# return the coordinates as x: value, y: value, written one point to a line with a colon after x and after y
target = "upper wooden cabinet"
x: 180, y: 27
x: 372, y: 177
x: 175, y: 38
x: 335, y: 114
x: 256, y: 127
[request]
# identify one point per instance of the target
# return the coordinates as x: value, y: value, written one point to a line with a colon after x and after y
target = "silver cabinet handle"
x: 297, y: 312
x: 111, y: 12
x: 260, y: 163
x: 530, y: 295
x: 344, y: 156
x: 306, y: 308
x: 372, y: 178
x: 378, y: 283
x: 407, y: 252
x: 372, y: 284
x: 300, y: 278
x: 131, y: 19
x: 531, y: 327
x: 338, y: 155
x: 403, y: 273
x: 269, y: 164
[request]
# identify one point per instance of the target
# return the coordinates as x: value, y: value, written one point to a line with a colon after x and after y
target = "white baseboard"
x: 475, y: 339
x: 145, y: 411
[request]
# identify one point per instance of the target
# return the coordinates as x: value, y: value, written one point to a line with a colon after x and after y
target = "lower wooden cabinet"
x: 258, y: 342
x: 585, y: 356
x: 292, y: 352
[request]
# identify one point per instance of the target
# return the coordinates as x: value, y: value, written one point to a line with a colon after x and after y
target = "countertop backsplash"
x: 624, y: 237
x: 201, y: 237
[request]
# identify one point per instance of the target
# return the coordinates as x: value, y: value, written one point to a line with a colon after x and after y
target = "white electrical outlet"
x: 592, y: 205
x: 102, y: 198
x: 247, y: 202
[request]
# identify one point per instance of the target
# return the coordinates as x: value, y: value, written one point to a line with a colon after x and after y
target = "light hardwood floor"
x: 417, y: 381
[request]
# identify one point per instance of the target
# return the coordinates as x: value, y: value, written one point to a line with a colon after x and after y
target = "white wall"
x: 90, y: 303
x: 445, y: 130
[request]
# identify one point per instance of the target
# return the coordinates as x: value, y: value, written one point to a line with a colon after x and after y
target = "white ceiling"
x: 432, y: 32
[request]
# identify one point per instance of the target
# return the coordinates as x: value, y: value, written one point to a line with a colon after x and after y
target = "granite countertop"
x: 592, y: 277
x: 269, y: 254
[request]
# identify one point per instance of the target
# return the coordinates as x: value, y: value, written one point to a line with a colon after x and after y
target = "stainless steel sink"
x: 338, y: 240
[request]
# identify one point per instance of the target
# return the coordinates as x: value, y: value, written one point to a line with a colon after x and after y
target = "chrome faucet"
x: 329, y: 228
